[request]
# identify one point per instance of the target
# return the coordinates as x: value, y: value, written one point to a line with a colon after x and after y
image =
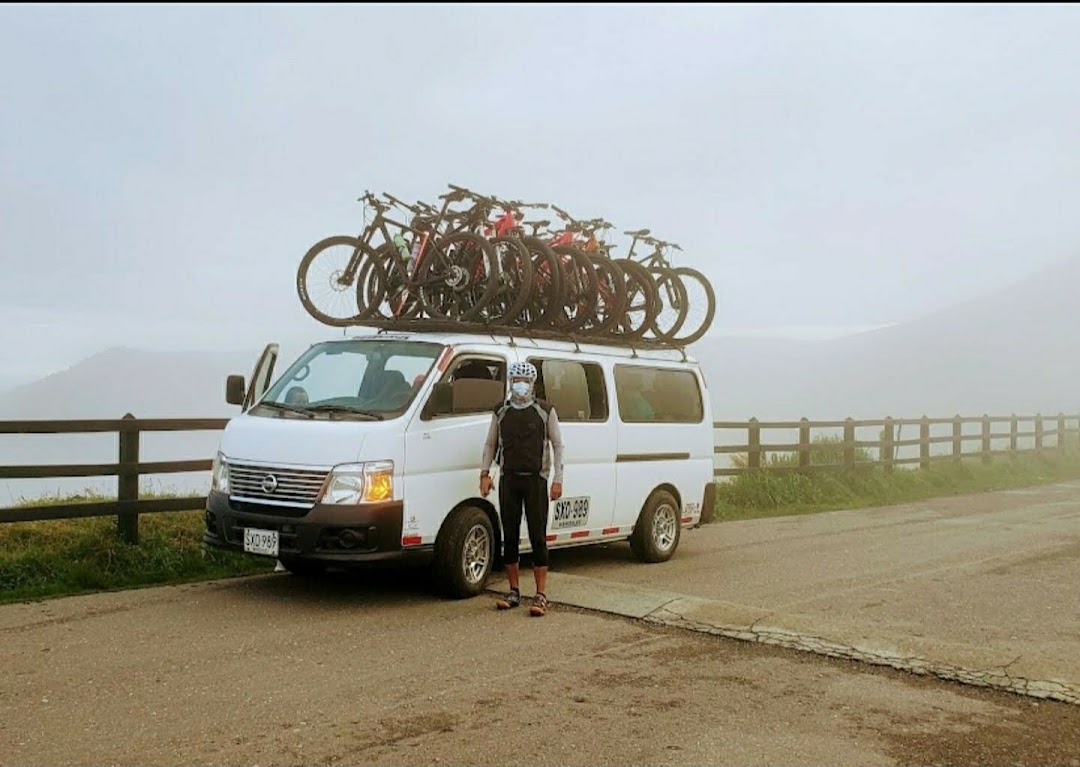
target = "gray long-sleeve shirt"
x: 553, y: 448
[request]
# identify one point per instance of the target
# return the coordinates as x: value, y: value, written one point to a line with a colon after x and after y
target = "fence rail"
x: 128, y: 469
x: 1064, y: 429
x: 754, y: 454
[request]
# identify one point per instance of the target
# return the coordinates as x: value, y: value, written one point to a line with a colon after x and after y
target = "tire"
x: 580, y: 290
x: 465, y: 528
x: 381, y: 287
x: 545, y: 293
x: 304, y: 568
x: 458, y: 277
x: 317, y: 278
x: 642, y: 303
x: 697, y: 288
x: 515, y: 281
x: 658, y: 530
x: 672, y: 299
x: 611, y: 296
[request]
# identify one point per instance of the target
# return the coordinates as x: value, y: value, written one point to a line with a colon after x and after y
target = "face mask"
x: 520, y: 388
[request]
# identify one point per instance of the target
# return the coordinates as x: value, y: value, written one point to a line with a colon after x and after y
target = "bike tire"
x: 642, y: 303
x: 545, y: 293
x: 672, y: 297
x: 380, y: 284
x: 515, y: 281
x: 453, y: 291
x: 309, y: 281
x: 691, y: 277
x: 611, y: 296
x: 580, y: 287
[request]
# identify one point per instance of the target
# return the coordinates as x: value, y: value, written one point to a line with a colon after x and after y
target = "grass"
x: 64, y: 557
x: 765, y: 494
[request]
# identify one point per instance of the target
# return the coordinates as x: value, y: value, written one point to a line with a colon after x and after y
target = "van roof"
x: 546, y: 341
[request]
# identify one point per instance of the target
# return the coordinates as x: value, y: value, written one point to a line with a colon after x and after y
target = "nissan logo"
x: 269, y: 484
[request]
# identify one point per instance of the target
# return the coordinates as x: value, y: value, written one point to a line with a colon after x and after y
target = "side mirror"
x: 441, y: 400
x: 234, y: 390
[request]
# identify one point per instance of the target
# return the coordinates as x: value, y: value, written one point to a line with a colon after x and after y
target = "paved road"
x: 370, y: 669
x: 984, y: 581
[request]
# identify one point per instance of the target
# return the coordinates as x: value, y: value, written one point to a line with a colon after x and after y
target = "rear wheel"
x: 464, y: 553
x: 579, y: 289
x: 671, y: 295
x: 611, y: 296
x: 658, y: 529
x: 515, y: 280
x: 458, y: 277
x: 642, y: 304
x: 545, y: 292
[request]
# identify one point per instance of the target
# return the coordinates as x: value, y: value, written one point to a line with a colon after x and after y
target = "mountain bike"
x: 696, y: 307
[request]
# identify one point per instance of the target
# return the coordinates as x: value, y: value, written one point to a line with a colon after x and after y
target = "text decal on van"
x: 570, y: 512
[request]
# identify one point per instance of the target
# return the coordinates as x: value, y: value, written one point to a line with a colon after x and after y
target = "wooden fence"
x: 128, y: 469
x: 1064, y: 429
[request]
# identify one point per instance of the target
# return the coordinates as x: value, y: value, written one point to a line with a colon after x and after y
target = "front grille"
x: 290, y: 487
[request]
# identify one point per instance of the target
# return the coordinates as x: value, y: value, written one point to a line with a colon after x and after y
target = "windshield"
x: 361, y: 380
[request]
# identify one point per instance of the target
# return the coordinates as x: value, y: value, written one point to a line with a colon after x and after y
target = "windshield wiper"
x: 288, y: 408
x: 328, y: 408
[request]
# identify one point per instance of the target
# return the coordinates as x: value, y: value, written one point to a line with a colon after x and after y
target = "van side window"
x: 472, y: 384
x: 576, y: 389
x: 656, y: 395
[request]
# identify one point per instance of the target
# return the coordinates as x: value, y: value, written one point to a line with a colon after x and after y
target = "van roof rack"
x: 492, y: 330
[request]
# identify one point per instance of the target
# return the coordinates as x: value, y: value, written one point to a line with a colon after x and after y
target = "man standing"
x: 524, y: 427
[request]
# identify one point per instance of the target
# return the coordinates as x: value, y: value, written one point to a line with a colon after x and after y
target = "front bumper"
x: 329, y: 533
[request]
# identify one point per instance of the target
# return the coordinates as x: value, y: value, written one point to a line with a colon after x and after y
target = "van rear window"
x: 657, y: 395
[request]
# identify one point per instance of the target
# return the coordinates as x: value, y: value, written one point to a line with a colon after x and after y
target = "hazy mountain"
x: 1017, y: 350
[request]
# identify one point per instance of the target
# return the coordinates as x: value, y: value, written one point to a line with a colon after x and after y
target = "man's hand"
x: 556, y: 491
x: 485, y: 485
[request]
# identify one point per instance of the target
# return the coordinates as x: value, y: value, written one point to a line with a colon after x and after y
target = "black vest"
x: 523, y: 433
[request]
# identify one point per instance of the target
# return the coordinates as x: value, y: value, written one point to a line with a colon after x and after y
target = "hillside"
x: 1014, y: 350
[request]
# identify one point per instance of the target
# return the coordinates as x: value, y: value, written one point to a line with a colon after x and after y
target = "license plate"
x: 261, y: 541
x: 570, y: 512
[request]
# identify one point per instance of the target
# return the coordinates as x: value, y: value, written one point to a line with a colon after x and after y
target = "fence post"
x: 1014, y: 434
x: 1038, y: 433
x: 753, y: 455
x: 924, y: 443
x: 986, y: 438
x: 849, y: 442
x: 127, y: 523
x: 1061, y: 433
x: 886, y: 450
x: 957, y: 439
x: 804, y: 444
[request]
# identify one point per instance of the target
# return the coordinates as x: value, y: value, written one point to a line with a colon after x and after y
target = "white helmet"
x: 523, y: 370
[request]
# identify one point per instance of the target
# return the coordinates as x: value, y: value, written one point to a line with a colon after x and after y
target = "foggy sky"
x: 164, y: 169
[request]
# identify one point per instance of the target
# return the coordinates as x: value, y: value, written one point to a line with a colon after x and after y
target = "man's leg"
x: 536, y: 516
x: 510, y: 512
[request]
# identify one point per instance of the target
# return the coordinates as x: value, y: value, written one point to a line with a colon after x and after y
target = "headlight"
x: 354, y: 483
x: 219, y: 474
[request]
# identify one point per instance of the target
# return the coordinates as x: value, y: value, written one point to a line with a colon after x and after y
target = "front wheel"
x: 656, y: 534
x: 457, y: 277
x: 464, y: 553
x: 325, y: 280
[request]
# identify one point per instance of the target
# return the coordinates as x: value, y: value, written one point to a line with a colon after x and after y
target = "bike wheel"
x: 383, y: 286
x: 642, y: 303
x: 321, y: 280
x: 515, y: 280
x: 580, y: 288
x: 700, y: 303
x: 671, y: 294
x: 457, y: 277
x: 610, y: 296
x: 545, y: 292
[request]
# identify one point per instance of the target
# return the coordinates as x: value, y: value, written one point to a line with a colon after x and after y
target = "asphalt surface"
x: 373, y: 669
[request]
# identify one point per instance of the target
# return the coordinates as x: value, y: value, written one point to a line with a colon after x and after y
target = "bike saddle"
x: 639, y: 233
x: 544, y: 224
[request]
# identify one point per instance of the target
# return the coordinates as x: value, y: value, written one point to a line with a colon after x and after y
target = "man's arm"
x: 491, y: 444
x: 554, y: 434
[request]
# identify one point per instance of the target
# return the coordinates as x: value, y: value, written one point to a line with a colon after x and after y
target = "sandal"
x: 539, y: 605
x: 512, y: 600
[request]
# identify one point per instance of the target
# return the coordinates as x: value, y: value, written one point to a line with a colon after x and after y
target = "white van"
x: 368, y: 449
